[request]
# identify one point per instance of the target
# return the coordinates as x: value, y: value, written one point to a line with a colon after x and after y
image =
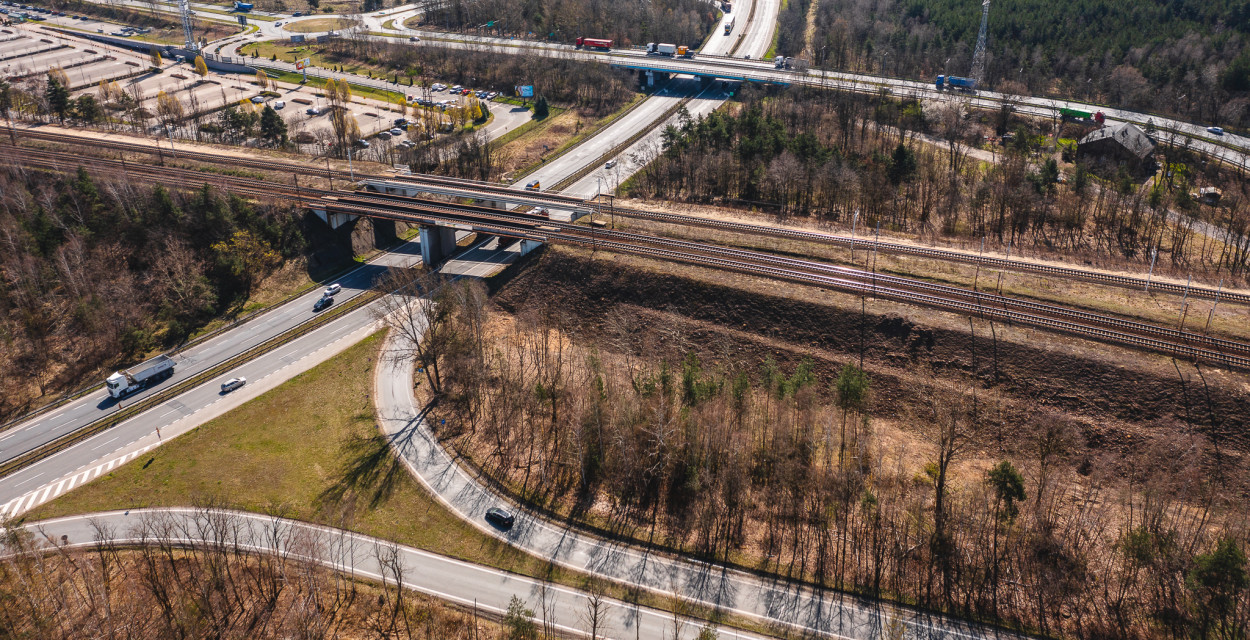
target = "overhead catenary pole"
x: 1214, y: 306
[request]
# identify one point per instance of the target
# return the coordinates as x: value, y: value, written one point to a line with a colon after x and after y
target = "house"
x: 1121, y: 143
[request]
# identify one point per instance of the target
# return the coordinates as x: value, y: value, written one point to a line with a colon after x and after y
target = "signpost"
x: 302, y: 65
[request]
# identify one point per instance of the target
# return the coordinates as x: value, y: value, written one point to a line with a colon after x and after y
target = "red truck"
x: 594, y: 43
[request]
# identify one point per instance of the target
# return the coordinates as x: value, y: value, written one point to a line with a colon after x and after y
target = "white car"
x: 332, y: 289
x: 232, y: 384
x: 280, y: 104
x: 610, y: 164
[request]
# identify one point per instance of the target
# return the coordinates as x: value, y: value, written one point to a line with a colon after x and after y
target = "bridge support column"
x: 437, y: 244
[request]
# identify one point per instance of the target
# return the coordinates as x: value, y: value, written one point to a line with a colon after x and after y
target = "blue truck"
x: 242, y: 7
x: 955, y: 82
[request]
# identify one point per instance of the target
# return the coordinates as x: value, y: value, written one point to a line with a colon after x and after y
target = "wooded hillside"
x: 99, y: 273
x: 1186, y: 56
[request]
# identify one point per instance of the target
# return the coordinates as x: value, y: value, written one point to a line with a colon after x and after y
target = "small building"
x: 1123, y: 143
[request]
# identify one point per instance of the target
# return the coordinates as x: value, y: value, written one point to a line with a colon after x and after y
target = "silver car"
x: 232, y: 384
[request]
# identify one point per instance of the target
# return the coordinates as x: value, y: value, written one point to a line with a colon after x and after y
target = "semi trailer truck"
x: 128, y: 381
x: 594, y: 43
x: 664, y: 49
x: 955, y: 82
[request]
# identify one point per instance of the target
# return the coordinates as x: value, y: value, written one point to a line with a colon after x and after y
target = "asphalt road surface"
x: 489, y: 590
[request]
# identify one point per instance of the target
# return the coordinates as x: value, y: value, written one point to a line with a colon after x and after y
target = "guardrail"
x: 634, y: 137
x: 535, y: 167
x: 102, y: 424
x: 200, y: 339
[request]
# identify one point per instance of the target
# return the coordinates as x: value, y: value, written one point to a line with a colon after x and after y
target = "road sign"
x: 300, y: 65
x: 242, y: 21
x: 525, y: 91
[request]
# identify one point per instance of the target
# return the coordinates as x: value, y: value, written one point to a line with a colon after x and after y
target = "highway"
x: 16, y: 489
x: 827, y: 612
x: 712, y: 59
x: 468, y: 585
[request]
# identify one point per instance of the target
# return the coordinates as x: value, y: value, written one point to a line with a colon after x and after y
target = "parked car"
x: 332, y: 289
x: 397, y: 132
x: 385, y: 135
x: 232, y: 384
x: 258, y: 99
x: 363, y: 144
x: 399, y: 122
x: 1219, y: 131
x: 500, y: 518
x: 279, y: 104
x: 297, y: 14
x: 322, y: 302
x: 313, y: 111
x: 457, y: 89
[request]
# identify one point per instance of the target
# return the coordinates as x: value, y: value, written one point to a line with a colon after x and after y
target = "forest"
x: 99, y: 272
x: 955, y: 499
x: 627, y: 23
x: 829, y: 155
x: 1183, y: 57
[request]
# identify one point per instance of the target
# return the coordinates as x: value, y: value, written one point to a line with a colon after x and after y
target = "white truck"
x: 663, y: 49
x: 130, y: 380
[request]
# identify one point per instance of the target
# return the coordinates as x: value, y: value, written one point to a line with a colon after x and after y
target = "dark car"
x: 499, y: 517
x: 322, y: 303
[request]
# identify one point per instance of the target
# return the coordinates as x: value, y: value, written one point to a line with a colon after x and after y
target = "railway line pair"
x: 524, y: 224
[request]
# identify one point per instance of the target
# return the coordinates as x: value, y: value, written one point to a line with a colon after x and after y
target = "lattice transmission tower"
x: 184, y: 7
x: 978, y: 57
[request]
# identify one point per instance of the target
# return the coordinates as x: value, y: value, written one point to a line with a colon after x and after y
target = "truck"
x: 242, y: 7
x: 128, y: 381
x: 726, y: 6
x: 594, y: 43
x: 785, y: 62
x: 1077, y: 114
x: 955, y: 82
x: 661, y: 49
x: 729, y: 25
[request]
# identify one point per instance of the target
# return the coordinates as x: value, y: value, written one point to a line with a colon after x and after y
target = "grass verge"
x: 317, y: 25
x: 310, y: 449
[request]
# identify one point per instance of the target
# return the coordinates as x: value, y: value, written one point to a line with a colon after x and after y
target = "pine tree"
x: 541, y: 110
x: 272, y: 126
x: 58, y: 97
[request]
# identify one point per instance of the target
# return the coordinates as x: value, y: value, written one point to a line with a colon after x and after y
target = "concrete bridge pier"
x: 437, y: 244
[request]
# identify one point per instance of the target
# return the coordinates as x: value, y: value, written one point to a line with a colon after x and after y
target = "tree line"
x: 593, y: 87
x: 222, y: 589
x: 1180, y: 57
x: 782, y: 466
x: 685, y: 22
x: 830, y: 155
x: 99, y: 271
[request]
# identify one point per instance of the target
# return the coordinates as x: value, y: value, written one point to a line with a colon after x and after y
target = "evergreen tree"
x: 57, y: 95
x: 541, y: 110
x: 272, y: 126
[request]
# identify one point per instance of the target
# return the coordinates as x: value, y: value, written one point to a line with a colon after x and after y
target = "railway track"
x: 524, y: 225
x: 485, y: 190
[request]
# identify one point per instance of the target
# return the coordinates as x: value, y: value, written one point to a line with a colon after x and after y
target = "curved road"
x: 777, y: 602
x: 463, y: 583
